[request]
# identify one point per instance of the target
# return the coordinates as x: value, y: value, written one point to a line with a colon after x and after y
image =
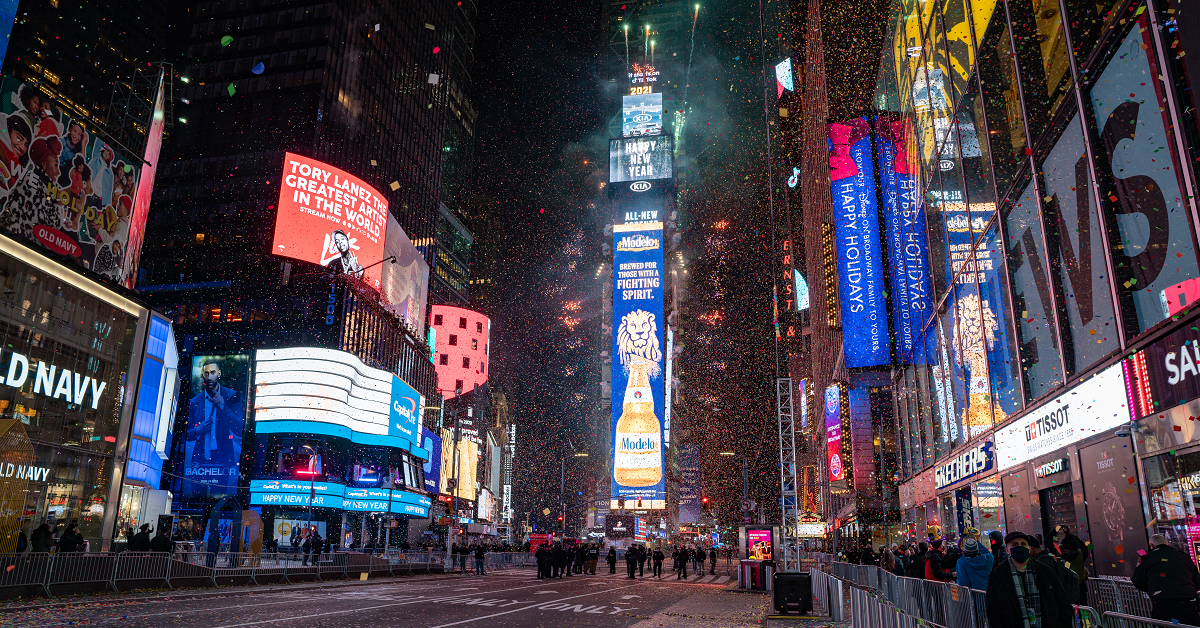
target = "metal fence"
x: 882, y: 595
x: 1121, y: 620
x: 1109, y: 594
x: 44, y: 572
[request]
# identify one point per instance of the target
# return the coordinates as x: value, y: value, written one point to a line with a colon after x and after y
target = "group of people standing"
x: 558, y: 560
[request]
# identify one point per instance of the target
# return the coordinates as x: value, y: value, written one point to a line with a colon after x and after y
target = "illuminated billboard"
x: 433, y: 466
x: 459, y: 466
x: 640, y: 159
x: 638, y: 370
x: 212, y: 446
x: 311, y: 390
x: 460, y: 350
x: 64, y: 189
x: 859, y: 251
x: 331, y: 218
x: 783, y: 78
x: 908, y: 245
x: 640, y: 201
x: 405, y: 287
x: 641, y: 115
x: 833, y: 432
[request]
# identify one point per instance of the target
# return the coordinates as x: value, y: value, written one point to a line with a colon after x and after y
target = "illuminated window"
x: 52, y: 77
x: 453, y: 340
x: 444, y: 360
x: 474, y: 345
x: 437, y: 319
x: 466, y: 363
x: 199, y: 238
x: 479, y: 327
x: 462, y: 323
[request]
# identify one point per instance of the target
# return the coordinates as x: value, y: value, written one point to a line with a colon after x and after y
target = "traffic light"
x: 705, y: 503
x: 560, y: 522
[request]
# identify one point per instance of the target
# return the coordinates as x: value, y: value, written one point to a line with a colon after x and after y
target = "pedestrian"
x: 541, y: 555
x: 480, y: 551
x: 570, y: 561
x: 22, y: 541
x: 659, y: 557
x: 1075, y: 555
x: 141, y: 541
x: 684, y: 557
x: 306, y: 548
x: 698, y: 559
x: 867, y: 555
x: 71, y: 540
x: 974, y: 566
x: 612, y: 560
x: 631, y: 561
x: 641, y: 558
x: 464, y: 551
x: 1023, y: 593
x: 712, y: 561
x: 999, y: 553
x: 1067, y: 577
x: 916, y: 566
x: 560, y: 560
x: 1171, y: 580
x: 41, y: 540
x: 315, y: 547
x: 160, y: 543
x: 934, y: 567
x: 593, y: 557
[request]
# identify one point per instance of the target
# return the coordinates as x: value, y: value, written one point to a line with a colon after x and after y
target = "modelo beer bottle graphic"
x: 638, y: 459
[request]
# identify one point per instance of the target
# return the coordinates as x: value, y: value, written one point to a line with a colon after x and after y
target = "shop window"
x: 474, y: 344
x: 1042, y: 55
x: 458, y: 385
x: 1154, y: 253
x: 971, y: 339
x: 948, y: 379
x: 989, y: 507
x: 482, y: 367
x: 234, y: 314
x: 975, y: 158
x: 1184, y: 73
x: 210, y: 313
x: 994, y: 316
x: 960, y: 50
x: 1037, y: 339
x: 940, y: 245
x: 981, y: 17
x: 1006, y: 127
x: 1075, y: 239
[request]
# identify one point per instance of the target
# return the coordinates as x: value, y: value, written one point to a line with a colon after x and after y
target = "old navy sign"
x: 52, y: 381
x: 968, y: 464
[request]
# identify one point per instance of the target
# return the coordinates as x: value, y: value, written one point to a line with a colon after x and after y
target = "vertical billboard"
x: 406, y: 280
x: 641, y: 115
x: 689, y: 486
x: 862, y: 441
x: 908, y: 246
x: 1114, y: 506
x: 145, y: 187
x: 433, y: 467
x: 61, y: 187
x: 212, y: 446
x: 859, y: 251
x: 638, y: 371
x: 458, y: 466
x: 640, y: 159
x: 833, y: 432
x: 328, y: 217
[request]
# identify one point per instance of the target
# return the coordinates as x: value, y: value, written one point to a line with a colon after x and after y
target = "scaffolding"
x: 131, y: 108
x: 789, y: 542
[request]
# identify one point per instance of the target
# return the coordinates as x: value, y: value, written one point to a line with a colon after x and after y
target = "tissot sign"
x: 970, y: 463
x: 1095, y: 406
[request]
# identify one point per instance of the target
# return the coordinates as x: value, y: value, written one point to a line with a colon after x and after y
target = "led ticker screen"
x: 640, y: 159
x: 329, y: 217
x: 641, y: 115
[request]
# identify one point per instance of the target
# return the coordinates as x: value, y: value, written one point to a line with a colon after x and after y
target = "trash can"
x: 768, y: 572
x: 793, y: 591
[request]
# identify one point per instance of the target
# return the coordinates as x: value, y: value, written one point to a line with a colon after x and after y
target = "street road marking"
x: 516, y: 610
x: 721, y: 579
x: 544, y: 592
x: 466, y: 589
x: 707, y: 579
x: 629, y: 597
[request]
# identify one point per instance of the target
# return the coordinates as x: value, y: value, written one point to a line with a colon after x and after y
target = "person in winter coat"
x: 1074, y: 556
x: 892, y: 563
x: 631, y: 562
x: 974, y: 566
x: 1171, y: 580
x: 999, y: 553
x: 659, y: 557
x: 934, y: 567
x: 1067, y: 577
x: 560, y: 560
x: 160, y: 543
x: 712, y: 561
x: 916, y: 566
x: 480, y: 553
x: 71, y: 540
x: 41, y: 539
x: 684, y: 556
x: 570, y: 561
x: 542, y: 557
x: 141, y: 541
x: 867, y: 556
x: 698, y: 559
x: 612, y: 560
x: 642, y: 555
x: 1023, y: 593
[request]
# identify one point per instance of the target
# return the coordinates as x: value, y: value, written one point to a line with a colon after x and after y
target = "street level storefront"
x: 918, y: 506
x: 968, y: 490
x: 1067, y: 463
x: 70, y: 382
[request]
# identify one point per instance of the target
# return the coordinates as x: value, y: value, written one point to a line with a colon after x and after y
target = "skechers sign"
x: 1090, y: 408
x: 859, y: 251
x: 970, y: 463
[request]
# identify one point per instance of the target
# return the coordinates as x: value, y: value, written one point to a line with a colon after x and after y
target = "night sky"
x: 539, y: 223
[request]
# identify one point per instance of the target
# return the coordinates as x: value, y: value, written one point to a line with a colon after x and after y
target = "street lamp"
x: 562, y: 487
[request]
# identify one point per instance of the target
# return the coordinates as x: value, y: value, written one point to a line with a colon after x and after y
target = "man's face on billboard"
x: 341, y: 242
x: 210, y: 374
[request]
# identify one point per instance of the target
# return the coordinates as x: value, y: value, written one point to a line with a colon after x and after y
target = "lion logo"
x: 637, y: 337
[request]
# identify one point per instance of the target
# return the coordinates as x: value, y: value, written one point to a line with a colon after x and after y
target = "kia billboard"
x: 329, y: 217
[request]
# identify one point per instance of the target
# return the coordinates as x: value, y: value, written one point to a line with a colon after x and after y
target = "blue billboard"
x: 908, y: 244
x: 216, y: 417
x: 404, y: 415
x: 638, y: 364
x: 433, y: 466
x: 859, y: 251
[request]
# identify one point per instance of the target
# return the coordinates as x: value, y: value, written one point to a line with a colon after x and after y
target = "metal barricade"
x: 127, y: 566
x: 25, y: 570
x: 1121, y: 620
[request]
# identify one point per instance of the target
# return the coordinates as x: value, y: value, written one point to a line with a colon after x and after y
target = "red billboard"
x: 331, y: 218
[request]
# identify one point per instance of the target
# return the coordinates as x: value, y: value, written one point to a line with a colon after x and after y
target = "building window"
x: 453, y: 340
x: 437, y: 319
x: 444, y: 360
x: 462, y: 323
x: 474, y: 344
x: 466, y: 363
x: 458, y: 385
x: 482, y: 367
x: 479, y: 328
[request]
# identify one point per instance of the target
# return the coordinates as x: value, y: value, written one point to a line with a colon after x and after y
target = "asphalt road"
x: 501, y: 599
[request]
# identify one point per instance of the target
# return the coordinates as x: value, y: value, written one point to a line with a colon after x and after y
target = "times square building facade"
x: 1049, y: 378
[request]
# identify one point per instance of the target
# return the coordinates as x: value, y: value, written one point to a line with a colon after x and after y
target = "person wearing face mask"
x: 1171, y: 580
x: 1024, y: 593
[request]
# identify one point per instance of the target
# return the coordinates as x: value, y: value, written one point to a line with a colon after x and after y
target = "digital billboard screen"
x: 641, y: 115
x: 640, y: 201
x: 859, y: 251
x: 638, y: 368
x: 833, y: 432
x: 759, y: 544
x: 433, y: 467
x: 216, y: 416
x: 405, y: 282
x: 640, y: 159
x: 328, y: 217
x: 908, y: 245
